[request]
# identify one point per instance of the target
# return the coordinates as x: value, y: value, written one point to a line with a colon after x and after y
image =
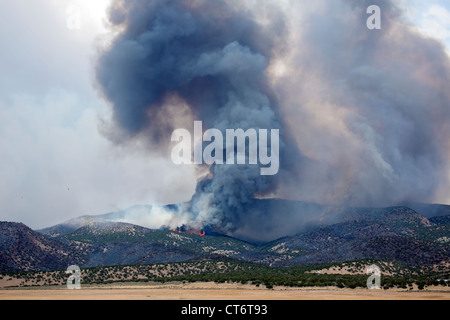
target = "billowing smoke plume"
x: 212, y: 56
x: 369, y: 109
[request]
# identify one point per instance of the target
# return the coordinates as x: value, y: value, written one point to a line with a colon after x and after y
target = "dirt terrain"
x: 213, y: 291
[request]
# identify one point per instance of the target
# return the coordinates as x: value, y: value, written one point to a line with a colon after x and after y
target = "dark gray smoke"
x: 212, y: 56
x: 207, y: 52
x: 369, y: 109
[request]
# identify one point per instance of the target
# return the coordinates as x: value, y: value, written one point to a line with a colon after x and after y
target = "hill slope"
x: 24, y: 249
x: 394, y: 234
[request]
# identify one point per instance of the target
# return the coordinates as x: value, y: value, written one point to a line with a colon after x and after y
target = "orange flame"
x: 200, y: 233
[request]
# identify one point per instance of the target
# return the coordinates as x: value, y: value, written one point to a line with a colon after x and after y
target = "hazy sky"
x: 55, y: 163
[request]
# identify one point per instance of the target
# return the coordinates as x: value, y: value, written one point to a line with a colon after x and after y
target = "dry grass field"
x: 214, y: 291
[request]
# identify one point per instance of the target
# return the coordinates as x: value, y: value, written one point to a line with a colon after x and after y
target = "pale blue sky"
x: 432, y: 17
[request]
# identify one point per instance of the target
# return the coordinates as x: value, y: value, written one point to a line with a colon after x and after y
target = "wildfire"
x: 200, y: 233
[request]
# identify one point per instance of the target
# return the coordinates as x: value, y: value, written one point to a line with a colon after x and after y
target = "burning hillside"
x: 183, y: 229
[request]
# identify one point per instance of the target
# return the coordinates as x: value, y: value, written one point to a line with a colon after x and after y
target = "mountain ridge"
x: 393, y: 233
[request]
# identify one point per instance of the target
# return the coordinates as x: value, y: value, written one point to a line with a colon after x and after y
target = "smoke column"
x: 369, y: 110
x: 210, y: 56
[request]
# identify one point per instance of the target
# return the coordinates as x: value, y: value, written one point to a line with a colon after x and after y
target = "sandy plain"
x: 214, y: 291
